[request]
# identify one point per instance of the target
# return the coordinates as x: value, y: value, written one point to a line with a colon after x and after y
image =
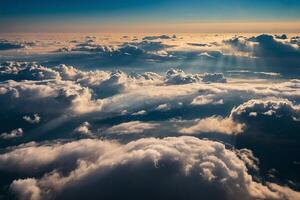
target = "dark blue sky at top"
x: 151, y: 10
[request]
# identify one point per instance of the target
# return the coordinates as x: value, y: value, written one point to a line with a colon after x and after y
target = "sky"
x: 132, y: 99
x: 147, y: 15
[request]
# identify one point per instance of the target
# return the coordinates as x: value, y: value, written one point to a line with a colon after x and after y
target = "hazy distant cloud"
x: 7, y: 45
x: 131, y: 127
x: 214, y: 78
x: 198, y: 44
x: 206, y: 99
x: 163, y: 37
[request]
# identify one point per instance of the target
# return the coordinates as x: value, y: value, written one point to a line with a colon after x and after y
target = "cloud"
x: 261, y: 74
x: 44, y: 96
x: 163, y: 37
x: 206, y: 100
x: 248, y: 158
x: 88, y: 47
x: 214, y: 124
x: 198, y: 44
x: 141, y: 112
x: 26, y: 189
x: 125, y: 106
x: 13, y: 134
x: 132, y: 127
x: 34, y: 120
x: 7, y: 45
x: 177, y: 76
x: 163, y: 107
x: 267, y: 51
x: 268, y: 108
x: 26, y: 71
x: 122, y: 54
x: 267, y: 46
x: 150, y: 45
x: 84, y: 129
x: 282, y: 37
x: 214, y: 78
x: 240, y: 44
x: 203, y: 167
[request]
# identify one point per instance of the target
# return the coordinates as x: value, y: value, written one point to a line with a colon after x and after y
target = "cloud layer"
x: 197, y: 165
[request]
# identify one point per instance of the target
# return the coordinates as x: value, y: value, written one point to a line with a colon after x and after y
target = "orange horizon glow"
x: 182, y: 27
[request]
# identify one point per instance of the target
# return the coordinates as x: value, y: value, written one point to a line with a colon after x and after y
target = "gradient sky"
x: 19, y: 13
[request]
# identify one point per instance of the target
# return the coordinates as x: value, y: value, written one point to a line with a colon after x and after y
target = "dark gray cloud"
x: 282, y: 37
x: 7, y: 45
x: 268, y: 47
x: 163, y: 37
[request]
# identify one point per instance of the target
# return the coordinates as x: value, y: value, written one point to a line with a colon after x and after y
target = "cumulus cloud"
x: 267, y: 46
x: 34, y: 120
x: 203, y: 167
x: 13, y: 134
x: 177, y: 76
x: 44, y: 96
x: 84, y: 129
x: 278, y: 108
x: 214, y: 124
x: 26, y: 189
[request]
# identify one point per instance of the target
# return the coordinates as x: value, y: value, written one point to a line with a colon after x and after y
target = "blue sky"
x: 146, y: 11
x: 155, y: 9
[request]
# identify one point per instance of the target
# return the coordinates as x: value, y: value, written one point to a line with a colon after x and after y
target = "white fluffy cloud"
x: 53, y: 96
x: 208, y: 165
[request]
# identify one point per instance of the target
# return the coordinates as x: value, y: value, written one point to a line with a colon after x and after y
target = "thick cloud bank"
x: 147, y: 168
